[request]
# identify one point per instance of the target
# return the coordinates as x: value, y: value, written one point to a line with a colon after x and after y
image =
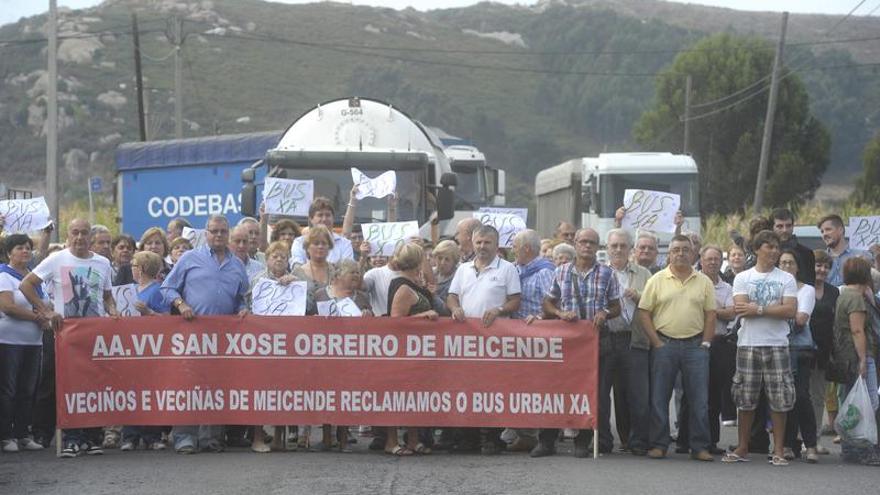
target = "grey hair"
x: 644, y: 234
x: 99, y: 229
x: 345, y: 267
x: 216, y: 218
x: 529, y: 238
x: 245, y: 220
x: 564, y: 248
x: 621, y: 233
x: 485, y: 230
x: 586, y: 229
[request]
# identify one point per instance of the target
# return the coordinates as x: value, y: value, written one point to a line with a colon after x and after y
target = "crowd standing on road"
x: 772, y: 342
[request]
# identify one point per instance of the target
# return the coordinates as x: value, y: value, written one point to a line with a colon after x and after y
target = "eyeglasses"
x: 218, y: 231
x: 788, y: 263
x: 135, y: 266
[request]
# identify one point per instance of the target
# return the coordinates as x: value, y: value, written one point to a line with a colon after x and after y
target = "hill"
x: 530, y: 85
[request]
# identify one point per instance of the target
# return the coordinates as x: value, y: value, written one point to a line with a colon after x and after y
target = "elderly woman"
x: 177, y: 247
x: 154, y: 240
x: 21, y: 348
x: 285, y: 230
x: 563, y: 253
x: 446, y: 256
x: 803, y: 357
x: 824, y: 393
x: 277, y: 263
x: 345, y: 284
x: 122, y: 249
x: 407, y: 296
x: 145, y: 268
x: 855, y: 347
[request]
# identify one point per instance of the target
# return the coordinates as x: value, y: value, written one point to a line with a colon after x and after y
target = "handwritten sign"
x: 863, y: 232
x: 125, y: 297
x: 650, y: 210
x: 379, y: 187
x: 342, y: 307
x: 385, y: 237
x: 506, y: 225
x: 196, y: 237
x: 520, y: 212
x: 24, y: 215
x: 288, y: 196
x: 269, y: 298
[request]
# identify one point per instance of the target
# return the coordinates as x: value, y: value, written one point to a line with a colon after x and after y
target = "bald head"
x: 239, y: 242
x: 79, y: 237
x: 463, y: 233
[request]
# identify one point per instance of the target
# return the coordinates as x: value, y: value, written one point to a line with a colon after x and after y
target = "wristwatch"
x: 760, y: 310
x: 706, y: 344
x: 500, y: 310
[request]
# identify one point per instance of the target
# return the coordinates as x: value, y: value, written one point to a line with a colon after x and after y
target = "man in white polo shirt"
x: 485, y: 288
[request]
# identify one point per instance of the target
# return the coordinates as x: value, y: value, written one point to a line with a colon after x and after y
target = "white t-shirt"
x: 489, y: 289
x: 806, y: 297
x: 764, y: 289
x: 78, y: 284
x: 377, y: 281
x: 12, y: 330
x: 341, y: 250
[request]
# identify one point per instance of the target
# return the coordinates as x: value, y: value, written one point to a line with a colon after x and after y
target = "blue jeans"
x: 197, y: 436
x: 692, y: 360
x: 639, y: 398
x: 19, y: 371
x: 133, y: 434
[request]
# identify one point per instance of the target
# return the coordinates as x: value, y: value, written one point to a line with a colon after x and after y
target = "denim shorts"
x: 763, y: 367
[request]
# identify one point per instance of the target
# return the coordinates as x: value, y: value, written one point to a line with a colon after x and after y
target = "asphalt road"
x: 240, y: 471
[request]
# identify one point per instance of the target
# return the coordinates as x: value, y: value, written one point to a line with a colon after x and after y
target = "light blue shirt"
x: 835, y: 275
x: 207, y: 285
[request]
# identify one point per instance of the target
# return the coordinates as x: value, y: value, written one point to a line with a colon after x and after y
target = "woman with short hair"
x: 154, y: 240
x: 563, y: 253
x: 177, y: 247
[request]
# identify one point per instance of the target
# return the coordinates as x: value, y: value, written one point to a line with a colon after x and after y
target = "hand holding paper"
x: 381, y: 186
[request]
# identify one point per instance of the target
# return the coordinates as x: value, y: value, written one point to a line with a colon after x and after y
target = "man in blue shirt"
x: 833, y: 230
x: 208, y: 280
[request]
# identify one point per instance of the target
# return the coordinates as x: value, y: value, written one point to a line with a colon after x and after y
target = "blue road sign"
x: 95, y: 184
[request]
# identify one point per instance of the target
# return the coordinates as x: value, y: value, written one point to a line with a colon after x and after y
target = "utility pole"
x: 52, y: 120
x: 178, y: 78
x: 138, y: 77
x: 768, y: 121
x: 687, y: 115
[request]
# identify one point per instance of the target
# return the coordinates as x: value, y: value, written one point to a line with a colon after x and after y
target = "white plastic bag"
x: 855, y: 419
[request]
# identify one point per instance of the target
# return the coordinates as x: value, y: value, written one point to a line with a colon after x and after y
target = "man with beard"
x: 832, y: 229
x: 783, y: 224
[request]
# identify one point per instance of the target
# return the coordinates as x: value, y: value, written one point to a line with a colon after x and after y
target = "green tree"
x: 868, y: 185
x: 726, y: 144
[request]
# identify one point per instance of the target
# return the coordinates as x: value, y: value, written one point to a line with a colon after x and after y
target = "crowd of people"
x: 764, y: 334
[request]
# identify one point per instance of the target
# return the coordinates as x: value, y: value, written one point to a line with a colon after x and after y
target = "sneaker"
x: 656, y: 453
x: 94, y: 450
x: 186, y: 450
x: 728, y: 422
x: 812, y: 456
x: 10, y: 446
x: 127, y: 446
x: 157, y: 446
x: 29, y: 444
x: 788, y: 454
x: 111, y: 440
x: 542, y: 450
x: 70, y: 450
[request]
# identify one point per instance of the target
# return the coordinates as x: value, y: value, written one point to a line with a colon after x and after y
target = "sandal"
x: 779, y: 461
x: 732, y: 457
x: 422, y: 449
x: 400, y: 451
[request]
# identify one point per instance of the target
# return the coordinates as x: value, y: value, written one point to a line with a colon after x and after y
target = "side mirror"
x: 248, y: 198
x: 445, y: 203
x: 500, y: 188
x: 248, y: 175
x: 448, y: 179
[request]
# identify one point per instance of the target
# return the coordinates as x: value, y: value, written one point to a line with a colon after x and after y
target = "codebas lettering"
x: 198, y: 205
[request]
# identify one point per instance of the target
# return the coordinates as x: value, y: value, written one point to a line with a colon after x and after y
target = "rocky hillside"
x: 526, y: 83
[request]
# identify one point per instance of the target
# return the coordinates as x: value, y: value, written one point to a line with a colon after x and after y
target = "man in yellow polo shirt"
x: 677, y: 312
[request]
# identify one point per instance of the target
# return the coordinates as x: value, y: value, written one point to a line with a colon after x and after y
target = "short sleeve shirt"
x: 77, y: 284
x: 764, y: 289
x: 597, y: 288
x: 481, y: 291
x: 12, y: 330
x: 678, y: 307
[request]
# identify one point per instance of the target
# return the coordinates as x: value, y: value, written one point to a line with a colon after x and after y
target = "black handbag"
x: 841, y: 371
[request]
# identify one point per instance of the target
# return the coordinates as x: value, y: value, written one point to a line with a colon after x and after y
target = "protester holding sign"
x: 21, y: 345
x: 81, y: 283
x: 321, y: 213
x: 209, y: 280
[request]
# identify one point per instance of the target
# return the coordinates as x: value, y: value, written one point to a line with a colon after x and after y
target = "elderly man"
x: 783, y: 224
x: 101, y: 241
x: 321, y: 213
x: 564, y: 232
x: 175, y: 228
x: 252, y: 227
x: 765, y: 299
x: 464, y: 231
x: 646, y: 252
x: 208, y: 280
x: 624, y: 350
x: 485, y: 288
x: 583, y: 290
x: 239, y: 244
x: 81, y: 282
x: 833, y: 230
x: 677, y: 311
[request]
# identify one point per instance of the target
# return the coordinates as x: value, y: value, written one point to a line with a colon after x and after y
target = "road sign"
x: 95, y: 184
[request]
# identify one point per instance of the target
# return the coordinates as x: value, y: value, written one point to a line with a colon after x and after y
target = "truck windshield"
x: 470, y: 192
x: 612, y: 187
x: 336, y: 185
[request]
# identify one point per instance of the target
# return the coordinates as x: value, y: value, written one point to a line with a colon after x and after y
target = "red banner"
x: 310, y: 370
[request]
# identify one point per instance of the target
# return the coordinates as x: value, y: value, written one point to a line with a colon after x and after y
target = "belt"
x: 698, y: 336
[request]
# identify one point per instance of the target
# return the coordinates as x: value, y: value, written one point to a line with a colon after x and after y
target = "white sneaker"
x: 10, y: 446
x: 28, y: 443
x: 157, y: 446
x: 728, y: 422
x: 127, y: 446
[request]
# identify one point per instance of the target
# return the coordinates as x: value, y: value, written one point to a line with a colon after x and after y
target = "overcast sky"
x: 12, y: 10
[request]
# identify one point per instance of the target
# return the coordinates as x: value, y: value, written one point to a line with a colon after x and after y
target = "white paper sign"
x: 269, y: 298
x: 653, y: 211
x: 863, y: 232
x: 379, y: 187
x: 520, y: 212
x: 288, y: 196
x: 385, y: 237
x: 506, y: 225
x: 125, y: 297
x: 196, y: 237
x: 343, y: 307
x: 24, y: 215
